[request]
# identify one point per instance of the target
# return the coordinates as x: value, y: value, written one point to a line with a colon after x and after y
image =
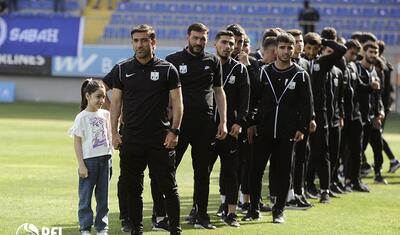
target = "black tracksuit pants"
x: 228, y: 152
x: 200, y: 134
x: 386, y: 147
x: 319, y: 155
x: 280, y: 152
x: 300, y: 159
x: 136, y: 154
x: 351, y: 147
x: 373, y: 136
x: 245, y: 159
x: 334, y: 144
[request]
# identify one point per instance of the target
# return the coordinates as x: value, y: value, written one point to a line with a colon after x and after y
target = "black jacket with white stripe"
x: 334, y: 96
x: 237, y: 90
x: 370, y: 102
x: 284, y: 101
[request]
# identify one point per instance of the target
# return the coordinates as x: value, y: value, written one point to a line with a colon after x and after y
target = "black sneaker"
x: 360, y: 187
x: 312, y: 192
x: 394, y: 166
x: 336, y: 189
x: 324, y: 197
x: 380, y: 180
x: 163, y: 225
x: 297, y: 204
x: 277, y: 217
x: 221, y: 209
x: 245, y: 207
x: 138, y: 231
x: 303, y: 198
x: 231, y: 220
x: 203, y: 222
x: 333, y: 195
x: 265, y: 207
x: 126, y: 226
x: 191, y: 218
x: 365, y: 169
x: 348, y: 188
x: 252, y: 215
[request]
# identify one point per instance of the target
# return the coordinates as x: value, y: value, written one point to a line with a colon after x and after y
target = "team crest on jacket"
x: 154, y: 76
x: 232, y: 79
x: 292, y: 85
x: 183, y: 68
x: 336, y: 81
x: 316, y: 67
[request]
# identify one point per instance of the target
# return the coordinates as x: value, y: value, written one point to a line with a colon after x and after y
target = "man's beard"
x: 370, y: 60
x: 191, y: 49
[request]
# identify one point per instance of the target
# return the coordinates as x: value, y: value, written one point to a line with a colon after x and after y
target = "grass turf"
x: 38, y: 184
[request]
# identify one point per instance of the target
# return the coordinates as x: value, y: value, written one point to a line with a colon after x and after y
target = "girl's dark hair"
x: 89, y: 86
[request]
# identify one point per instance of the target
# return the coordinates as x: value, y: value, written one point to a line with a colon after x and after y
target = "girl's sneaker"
x: 102, y: 232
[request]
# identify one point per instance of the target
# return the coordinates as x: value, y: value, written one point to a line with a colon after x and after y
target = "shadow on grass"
x: 67, y: 111
x: 186, y: 206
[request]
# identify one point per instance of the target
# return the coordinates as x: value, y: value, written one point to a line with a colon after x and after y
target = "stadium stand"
x: 46, y: 7
x: 171, y: 17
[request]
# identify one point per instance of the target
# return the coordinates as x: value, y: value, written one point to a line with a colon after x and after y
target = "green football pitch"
x: 38, y: 184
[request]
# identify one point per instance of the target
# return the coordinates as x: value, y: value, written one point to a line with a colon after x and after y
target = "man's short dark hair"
x: 352, y: 43
x: 223, y: 33
x: 341, y: 40
x: 285, y: 38
x: 269, y: 41
x: 370, y: 45
x: 367, y: 36
x: 329, y: 33
x: 380, y: 63
x: 312, y: 39
x: 197, y: 27
x: 144, y: 28
x: 381, y: 45
x: 294, y: 32
x: 246, y: 39
x: 356, y: 35
x: 270, y: 32
x: 236, y: 29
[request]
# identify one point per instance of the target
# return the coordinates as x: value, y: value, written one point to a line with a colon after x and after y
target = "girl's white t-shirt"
x: 95, y: 130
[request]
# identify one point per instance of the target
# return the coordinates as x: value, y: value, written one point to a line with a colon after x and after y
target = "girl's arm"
x: 83, y: 171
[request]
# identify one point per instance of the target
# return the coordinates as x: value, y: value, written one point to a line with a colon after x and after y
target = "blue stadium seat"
x: 174, y: 16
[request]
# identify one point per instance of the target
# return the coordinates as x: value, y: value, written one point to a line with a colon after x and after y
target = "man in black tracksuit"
x: 245, y: 147
x: 371, y: 107
x: 143, y: 86
x: 237, y: 90
x: 319, y: 156
x: 335, y: 114
x: 201, y: 78
x: 352, y: 132
x: 284, y: 112
x: 387, y: 101
x: 296, y: 198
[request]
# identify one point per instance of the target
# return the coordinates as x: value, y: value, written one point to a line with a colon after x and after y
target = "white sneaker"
x: 102, y: 232
x: 85, y: 232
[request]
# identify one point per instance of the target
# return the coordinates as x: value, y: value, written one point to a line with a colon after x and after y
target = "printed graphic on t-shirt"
x: 98, y: 133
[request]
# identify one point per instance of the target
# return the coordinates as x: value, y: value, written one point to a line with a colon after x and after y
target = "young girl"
x: 92, y: 142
